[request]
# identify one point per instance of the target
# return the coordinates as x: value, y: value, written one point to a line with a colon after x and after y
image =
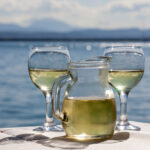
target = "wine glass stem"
x: 49, y: 115
x: 123, y: 108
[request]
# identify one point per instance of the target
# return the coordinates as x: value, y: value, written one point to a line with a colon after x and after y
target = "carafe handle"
x: 56, y: 90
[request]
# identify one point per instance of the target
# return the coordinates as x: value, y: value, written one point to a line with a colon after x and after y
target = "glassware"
x: 45, y: 65
x: 126, y: 70
x: 89, y: 109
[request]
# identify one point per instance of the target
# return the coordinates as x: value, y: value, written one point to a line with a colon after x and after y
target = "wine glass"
x: 126, y: 70
x: 45, y: 65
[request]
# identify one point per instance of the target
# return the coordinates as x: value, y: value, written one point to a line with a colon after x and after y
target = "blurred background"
x: 86, y: 27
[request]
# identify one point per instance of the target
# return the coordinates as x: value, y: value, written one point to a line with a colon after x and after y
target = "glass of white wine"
x: 126, y: 70
x: 45, y: 65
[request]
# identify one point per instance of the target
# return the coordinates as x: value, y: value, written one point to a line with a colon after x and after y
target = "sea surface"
x: 22, y: 104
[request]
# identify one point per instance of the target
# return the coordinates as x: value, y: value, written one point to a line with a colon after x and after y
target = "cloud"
x: 129, y: 13
x: 106, y: 15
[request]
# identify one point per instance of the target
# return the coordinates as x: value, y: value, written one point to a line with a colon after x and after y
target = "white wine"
x: 44, y: 78
x: 86, y: 118
x: 124, y: 80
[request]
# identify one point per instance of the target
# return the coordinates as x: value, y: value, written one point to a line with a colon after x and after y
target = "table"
x: 24, y: 138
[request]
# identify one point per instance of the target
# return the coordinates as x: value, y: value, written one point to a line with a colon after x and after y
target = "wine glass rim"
x: 124, y: 49
x: 47, y: 48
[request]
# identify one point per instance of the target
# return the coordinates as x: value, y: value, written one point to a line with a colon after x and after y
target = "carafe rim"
x: 95, y: 62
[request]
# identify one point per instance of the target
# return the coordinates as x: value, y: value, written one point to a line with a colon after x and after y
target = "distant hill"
x: 42, y: 25
x: 10, y: 27
x: 90, y: 34
x: 51, y: 29
x: 49, y: 25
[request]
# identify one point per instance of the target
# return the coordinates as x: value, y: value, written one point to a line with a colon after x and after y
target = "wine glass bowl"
x: 126, y: 71
x: 45, y: 65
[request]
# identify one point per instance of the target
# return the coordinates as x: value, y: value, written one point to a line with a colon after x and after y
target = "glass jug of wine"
x: 88, y: 109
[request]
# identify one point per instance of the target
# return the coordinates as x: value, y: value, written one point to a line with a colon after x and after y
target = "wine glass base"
x: 127, y: 126
x: 56, y: 128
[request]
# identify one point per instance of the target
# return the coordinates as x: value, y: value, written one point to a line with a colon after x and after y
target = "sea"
x: 23, y: 104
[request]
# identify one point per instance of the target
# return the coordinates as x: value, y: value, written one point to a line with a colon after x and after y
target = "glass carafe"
x: 88, y: 108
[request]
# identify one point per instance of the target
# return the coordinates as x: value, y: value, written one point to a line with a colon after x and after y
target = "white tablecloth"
x: 24, y: 138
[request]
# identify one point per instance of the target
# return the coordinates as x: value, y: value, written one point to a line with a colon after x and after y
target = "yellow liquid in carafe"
x: 89, y: 118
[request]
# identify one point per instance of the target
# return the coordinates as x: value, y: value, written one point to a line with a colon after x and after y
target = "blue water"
x: 22, y: 104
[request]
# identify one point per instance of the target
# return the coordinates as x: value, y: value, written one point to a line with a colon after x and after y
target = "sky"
x: 102, y: 14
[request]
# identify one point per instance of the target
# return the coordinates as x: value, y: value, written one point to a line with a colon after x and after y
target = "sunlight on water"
x: 88, y: 47
x: 111, y: 44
